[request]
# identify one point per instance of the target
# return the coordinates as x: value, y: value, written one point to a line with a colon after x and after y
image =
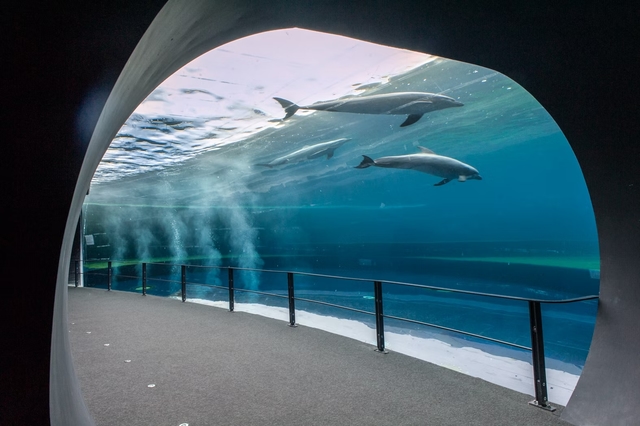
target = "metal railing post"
x: 183, y: 280
x: 377, y: 292
x: 77, y: 272
x: 292, y: 301
x: 231, y: 295
x: 144, y: 279
x: 537, y: 353
x: 109, y: 276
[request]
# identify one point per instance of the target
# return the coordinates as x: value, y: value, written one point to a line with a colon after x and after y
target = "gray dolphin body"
x: 308, y: 153
x: 412, y: 104
x: 426, y: 162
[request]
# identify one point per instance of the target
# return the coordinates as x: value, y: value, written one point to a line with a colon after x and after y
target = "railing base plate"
x: 544, y: 407
x: 382, y: 352
x: 293, y: 326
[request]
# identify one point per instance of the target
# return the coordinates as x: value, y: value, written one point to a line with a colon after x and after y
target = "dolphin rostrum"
x: 413, y: 104
x: 308, y: 153
x: 426, y: 161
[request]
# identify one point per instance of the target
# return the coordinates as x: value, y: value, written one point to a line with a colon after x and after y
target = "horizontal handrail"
x: 400, y: 283
x: 535, y: 312
x: 137, y: 277
x: 320, y: 302
x: 466, y: 333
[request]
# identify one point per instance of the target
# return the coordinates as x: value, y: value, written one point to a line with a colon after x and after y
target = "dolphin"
x: 308, y: 153
x: 426, y: 161
x: 413, y: 104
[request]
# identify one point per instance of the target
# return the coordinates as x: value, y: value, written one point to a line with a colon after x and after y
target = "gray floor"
x: 213, y: 367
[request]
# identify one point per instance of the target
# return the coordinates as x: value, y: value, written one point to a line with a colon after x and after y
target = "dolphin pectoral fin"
x: 442, y: 182
x: 289, y: 107
x: 330, y: 153
x: 412, y: 118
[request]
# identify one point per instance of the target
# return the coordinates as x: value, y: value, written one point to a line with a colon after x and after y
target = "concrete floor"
x: 209, y: 366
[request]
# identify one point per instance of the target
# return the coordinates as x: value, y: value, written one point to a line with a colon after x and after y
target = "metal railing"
x: 535, y: 312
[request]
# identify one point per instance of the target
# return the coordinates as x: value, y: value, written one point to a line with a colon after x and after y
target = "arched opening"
x: 529, y: 216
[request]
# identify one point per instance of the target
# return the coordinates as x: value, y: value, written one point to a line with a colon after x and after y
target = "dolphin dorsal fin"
x: 425, y: 150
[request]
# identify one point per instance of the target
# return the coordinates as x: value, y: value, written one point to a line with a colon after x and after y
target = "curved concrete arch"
x: 185, y: 29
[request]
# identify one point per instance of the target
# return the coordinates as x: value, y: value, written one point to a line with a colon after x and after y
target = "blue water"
x: 216, y: 207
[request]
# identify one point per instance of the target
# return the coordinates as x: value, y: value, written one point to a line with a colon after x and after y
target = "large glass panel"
x: 501, y: 319
x: 300, y: 151
x: 164, y: 279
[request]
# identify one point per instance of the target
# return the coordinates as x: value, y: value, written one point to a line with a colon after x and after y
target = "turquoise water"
x: 527, y: 229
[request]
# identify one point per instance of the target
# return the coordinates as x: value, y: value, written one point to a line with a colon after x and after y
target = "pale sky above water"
x: 226, y: 95
x: 301, y: 65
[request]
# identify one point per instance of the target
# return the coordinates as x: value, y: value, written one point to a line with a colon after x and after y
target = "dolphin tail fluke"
x: 366, y: 162
x: 289, y: 107
x: 442, y: 182
x: 412, y: 118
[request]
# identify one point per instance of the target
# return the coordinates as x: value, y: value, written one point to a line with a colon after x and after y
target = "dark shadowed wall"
x: 64, y: 61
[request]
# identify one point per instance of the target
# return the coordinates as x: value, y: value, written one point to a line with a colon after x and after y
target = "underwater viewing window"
x: 297, y: 150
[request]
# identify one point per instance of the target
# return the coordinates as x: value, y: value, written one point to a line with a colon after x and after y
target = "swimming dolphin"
x: 414, y: 104
x: 308, y: 153
x: 426, y: 161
